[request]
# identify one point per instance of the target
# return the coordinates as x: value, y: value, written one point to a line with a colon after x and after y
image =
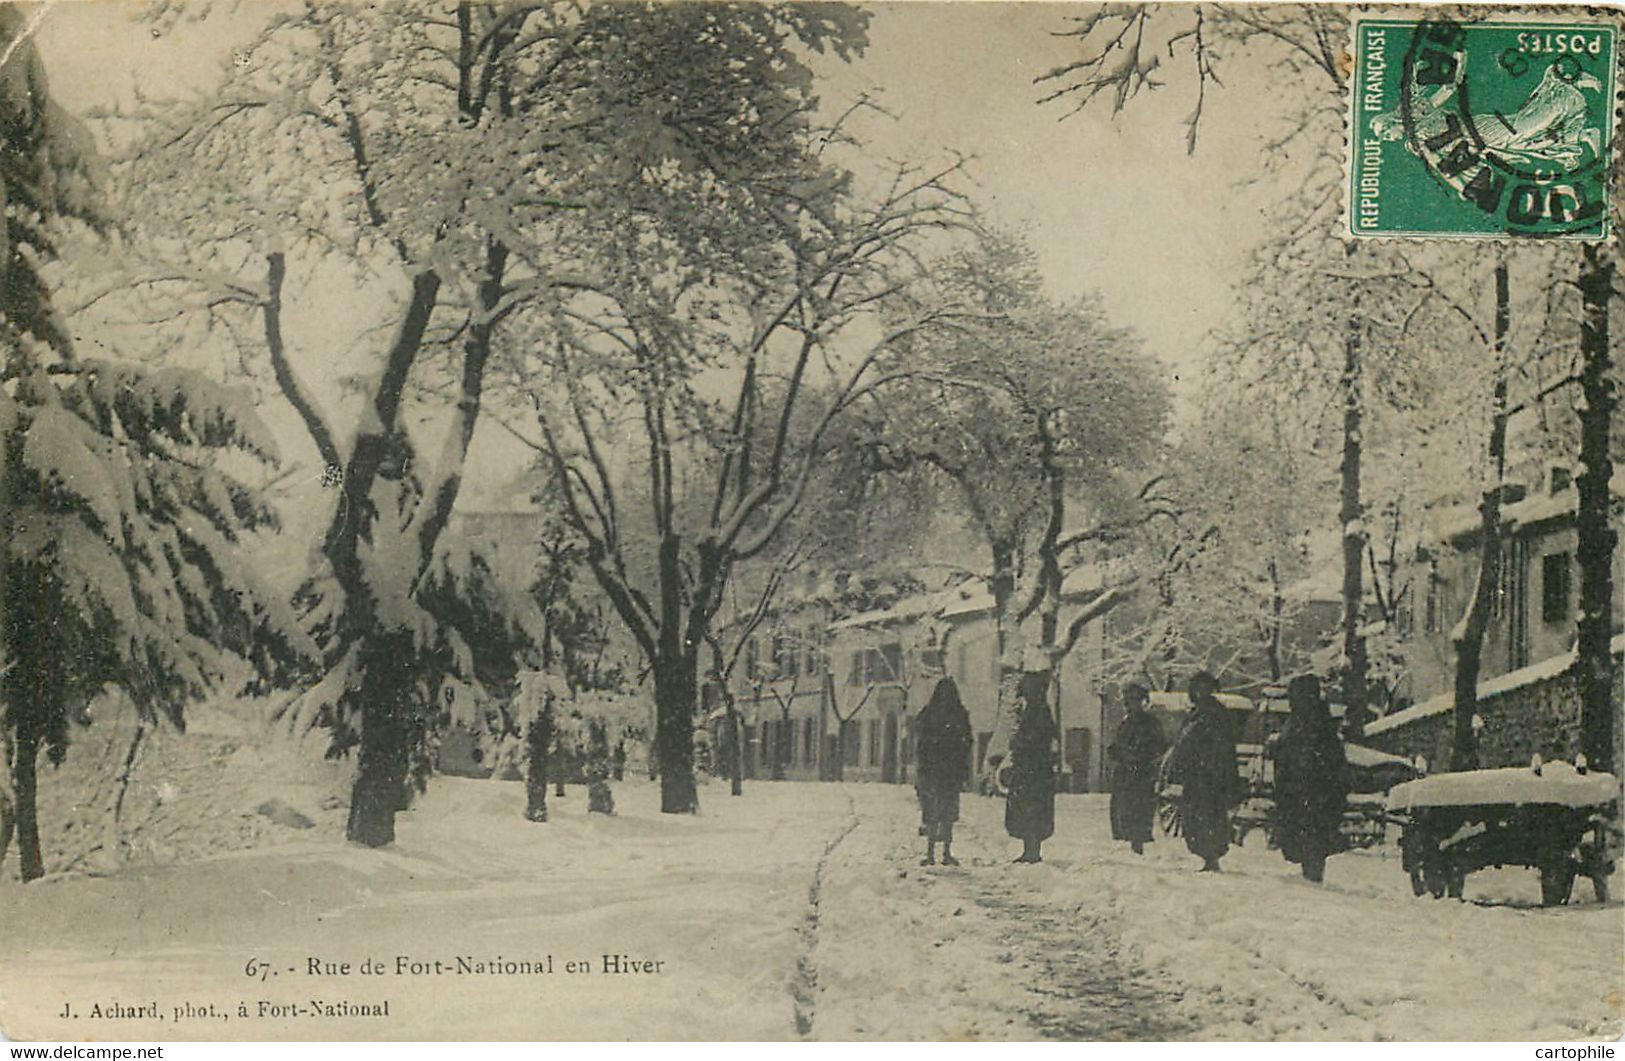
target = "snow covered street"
x: 798, y: 910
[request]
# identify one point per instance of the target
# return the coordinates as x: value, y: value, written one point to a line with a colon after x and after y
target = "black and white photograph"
x: 561, y: 521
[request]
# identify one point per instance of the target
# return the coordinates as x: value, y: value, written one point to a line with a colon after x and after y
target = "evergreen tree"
x: 118, y: 534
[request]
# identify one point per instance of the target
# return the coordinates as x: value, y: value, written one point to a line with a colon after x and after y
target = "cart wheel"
x: 1434, y: 875
x: 1168, y: 815
x: 1556, y: 882
x: 1418, y: 885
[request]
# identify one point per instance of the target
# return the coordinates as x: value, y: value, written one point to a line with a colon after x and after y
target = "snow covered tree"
x: 1468, y: 634
x: 1326, y: 317
x: 449, y: 165
x: 727, y: 323
x: 1044, y: 420
x: 123, y: 565
x: 579, y: 636
x: 1119, y: 51
x: 120, y: 535
x: 328, y: 146
x: 1236, y: 571
x: 1599, y: 401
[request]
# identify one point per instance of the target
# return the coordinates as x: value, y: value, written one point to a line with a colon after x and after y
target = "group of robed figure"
x: 1197, y: 772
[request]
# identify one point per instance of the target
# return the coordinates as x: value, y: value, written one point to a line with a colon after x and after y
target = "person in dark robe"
x: 1311, y: 780
x: 942, y: 738
x: 1203, y: 764
x: 1029, y: 809
x: 1136, y: 755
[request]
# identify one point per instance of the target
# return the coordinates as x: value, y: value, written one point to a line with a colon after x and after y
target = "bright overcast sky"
x: 1113, y: 205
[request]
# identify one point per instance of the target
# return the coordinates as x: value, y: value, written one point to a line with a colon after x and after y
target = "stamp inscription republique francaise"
x: 1484, y: 129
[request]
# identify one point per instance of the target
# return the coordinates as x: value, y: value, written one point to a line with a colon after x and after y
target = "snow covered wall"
x: 1527, y: 712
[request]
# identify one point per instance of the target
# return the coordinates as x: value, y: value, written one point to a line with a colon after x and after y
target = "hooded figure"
x: 943, y: 740
x: 1135, y: 756
x: 1203, y: 764
x: 1029, y: 809
x: 1311, y: 780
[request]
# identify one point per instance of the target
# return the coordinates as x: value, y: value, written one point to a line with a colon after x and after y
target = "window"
x: 889, y: 663
x: 808, y: 735
x: 1556, y: 576
x: 812, y: 653
x: 786, y: 660
x: 874, y: 742
x: 750, y: 658
x: 1430, y: 615
x: 875, y: 666
x: 850, y: 742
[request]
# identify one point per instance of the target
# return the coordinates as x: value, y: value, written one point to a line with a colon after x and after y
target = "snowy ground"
x: 799, y: 910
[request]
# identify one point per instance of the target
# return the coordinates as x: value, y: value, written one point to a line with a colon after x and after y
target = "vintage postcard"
x: 837, y: 522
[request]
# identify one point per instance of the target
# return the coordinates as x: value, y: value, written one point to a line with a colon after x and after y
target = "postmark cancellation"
x: 1492, y: 128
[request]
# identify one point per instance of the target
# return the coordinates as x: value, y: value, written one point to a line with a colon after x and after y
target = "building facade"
x: 1527, y: 701
x: 836, y: 700
x: 1534, y: 606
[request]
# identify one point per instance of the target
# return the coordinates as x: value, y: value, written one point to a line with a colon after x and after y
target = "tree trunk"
x: 600, y: 797
x: 1277, y: 605
x: 1002, y: 586
x: 781, y: 743
x: 8, y: 824
x: 387, y: 713
x: 1596, y: 534
x: 538, y: 745
x: 1469, y: 640
x: 676, y: 662
x: 736, y: 749
x: 674, y: 732
x: 388, y: 718
x: 352, y: 522
x: 26, y: 782
x: 561, y: 763
x: 1352, y: 515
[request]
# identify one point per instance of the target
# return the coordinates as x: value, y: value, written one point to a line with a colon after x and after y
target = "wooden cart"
x: 1553, y: 818
x: 1371, y: 774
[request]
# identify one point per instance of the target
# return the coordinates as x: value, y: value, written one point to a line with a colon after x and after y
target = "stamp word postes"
x: 1489, y: 129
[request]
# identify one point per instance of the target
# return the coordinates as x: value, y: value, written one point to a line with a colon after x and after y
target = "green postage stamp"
x: 1481, y: 129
